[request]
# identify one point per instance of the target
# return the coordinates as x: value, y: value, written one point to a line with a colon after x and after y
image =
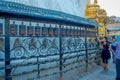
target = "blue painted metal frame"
x: 21, y: 9
x: 11, y: 10
x: 7, y: 52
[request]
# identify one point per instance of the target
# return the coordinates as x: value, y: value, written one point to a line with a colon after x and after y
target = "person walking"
x: 117, y: 56
x: 105, y: 52
x: 113, y: 45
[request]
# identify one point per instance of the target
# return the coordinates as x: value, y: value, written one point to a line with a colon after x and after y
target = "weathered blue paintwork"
x: 21, y: 9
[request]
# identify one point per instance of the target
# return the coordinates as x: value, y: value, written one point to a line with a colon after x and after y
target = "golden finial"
x: 95, y: 1
x: 88, y: 1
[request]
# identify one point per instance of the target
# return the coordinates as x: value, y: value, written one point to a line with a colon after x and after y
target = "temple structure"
x: 94, y: 12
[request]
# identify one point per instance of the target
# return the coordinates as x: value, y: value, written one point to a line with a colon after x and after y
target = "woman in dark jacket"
x: 105, y: 52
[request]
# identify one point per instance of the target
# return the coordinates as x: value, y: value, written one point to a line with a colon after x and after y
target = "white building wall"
x: 75, y: 7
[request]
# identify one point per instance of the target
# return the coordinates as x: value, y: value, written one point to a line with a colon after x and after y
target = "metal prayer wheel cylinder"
x: 30, y: 30
x: 51, y: 31
x: 44, y: 31
x: 75, y: 32
x: 68, y: 32
x: 63, y: 30
x: 37, y: 30
x: 22, y: 29
x: 79, y: 33
x: 91, y: 34
x: 56, y: 31
x: 71, y: 32
x: 13, y: 29
x: 88, y: 34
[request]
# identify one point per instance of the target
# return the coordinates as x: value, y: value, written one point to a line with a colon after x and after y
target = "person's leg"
x: 105, y: 61
x: 117, y: 69
x: 113, y: 57
x: 106, y: 64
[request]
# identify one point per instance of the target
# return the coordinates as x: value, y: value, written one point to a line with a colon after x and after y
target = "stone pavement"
x: 101, y: 74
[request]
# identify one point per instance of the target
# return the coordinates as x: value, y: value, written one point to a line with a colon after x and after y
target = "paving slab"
x: 101, y: 74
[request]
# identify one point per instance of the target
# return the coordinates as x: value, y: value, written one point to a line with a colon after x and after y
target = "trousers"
x: 117, y: 69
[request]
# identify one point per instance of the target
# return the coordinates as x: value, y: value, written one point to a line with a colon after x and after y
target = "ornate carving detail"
x: 34, y: 47
x: 72, y: 44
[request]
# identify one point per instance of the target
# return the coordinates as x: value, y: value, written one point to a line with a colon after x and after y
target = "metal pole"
x: 86, y: 51
x: 7, y: 51
x: 60, y: 52
x: 38, y: 67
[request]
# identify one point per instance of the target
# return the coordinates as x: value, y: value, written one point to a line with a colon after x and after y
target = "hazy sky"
x: 111, y: 6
